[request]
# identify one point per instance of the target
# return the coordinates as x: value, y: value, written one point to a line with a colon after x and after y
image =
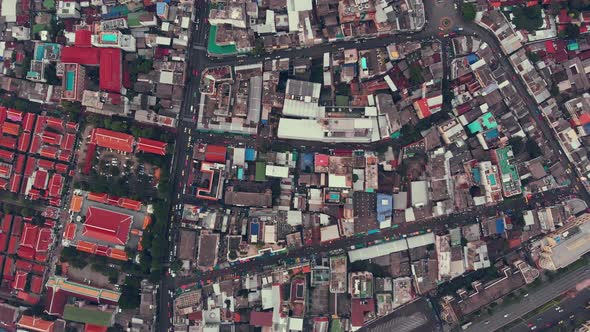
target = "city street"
x: 548, y: 291
x: 188, y: 135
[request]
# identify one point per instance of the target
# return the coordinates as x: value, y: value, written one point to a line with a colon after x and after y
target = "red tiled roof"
x: 108, y: 226
x: 23, y: 142
x: 151, y: 146
x: 8, y: 142
x: 30, y: 167
x: 20, y: 280
x: 55, y: 185
x: 83, y: 38
x: 5, y: 170
x: 70, y: 231
x: 40, y: 179
x: 36, y: 284
x: 95, y: 328
x: 6, y: 221
x: 43, y: 240
x: 55, y: 301
x: 112, y: 140
x: 261, y: 318
x: 26, y: 253
x: 24, y: 265
x: 8, y: 268
x: 11, y: 128
x: 36, y: 144
x: 20, y: 163
x: 6, y: 155
x: 28, y: 122
x: 29, y: 236
x: 12, y: 244
x: 61, y: 168
x: 49, y: 152
x: 215, y: 153
x: 15, y: 183
x: 51, y: 138
x: 35, y: 324
x: 46, y: 164
x: 81, y: 55
x: 17, y: 226
x: 68, y: 142
x: 110, y: 69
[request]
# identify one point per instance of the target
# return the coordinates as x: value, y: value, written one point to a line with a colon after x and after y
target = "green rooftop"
x: 133, y: 18
x: 336, y: 326
x: 89, y: 315
x: 341, y: 101
x: 260, y: 171
x: 49, y: 4
x: 215, y: 49
x: 508, y: 171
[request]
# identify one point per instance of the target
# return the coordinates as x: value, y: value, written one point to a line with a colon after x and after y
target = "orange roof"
x: 118, y: 254
x: 112, y: 139
x: 97, y: 197
x: 76, y: 204
x: 35, y: 324
x: 130, y: 204
x: 86, y: 246
x: 146, y: 222
x: 70, y: 231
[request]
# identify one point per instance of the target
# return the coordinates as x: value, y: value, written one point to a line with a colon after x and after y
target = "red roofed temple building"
x: 151, y: 146
x: 112, y: 140
x: 108, y: 226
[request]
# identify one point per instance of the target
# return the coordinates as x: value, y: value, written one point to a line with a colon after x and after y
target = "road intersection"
x: 188, y: 135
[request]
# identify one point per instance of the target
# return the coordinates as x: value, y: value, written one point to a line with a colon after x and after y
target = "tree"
x: 517, y: 144
x: 50, y: 75
x: 468, y: 11
x: 533, y: 149
x: 176, y: 265
x: 258, y: 47
x: 571, y: 31
x: 416, y: 74
x: 528, y: 18
x: 130, y: 298
x: 534, y: 57
x: 355, y: 178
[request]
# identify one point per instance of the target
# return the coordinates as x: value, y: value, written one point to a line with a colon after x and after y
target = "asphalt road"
x: 198, y: 60
x: 561, y: 316
x: 435, y: 224
x: 550, y: 290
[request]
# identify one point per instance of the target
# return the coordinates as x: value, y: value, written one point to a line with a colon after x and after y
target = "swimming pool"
x: 109, y: 38
x: 70, y: 80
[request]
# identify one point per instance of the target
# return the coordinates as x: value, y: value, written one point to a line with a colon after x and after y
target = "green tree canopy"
x: 528, y: 18
x: 468, y: 11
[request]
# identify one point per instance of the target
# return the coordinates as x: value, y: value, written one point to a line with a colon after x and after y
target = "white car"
x: 505, y: 316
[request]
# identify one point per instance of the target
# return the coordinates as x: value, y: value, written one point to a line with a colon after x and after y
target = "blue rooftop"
x: 384, y: 207
x: 472, y: 58
x: 250, y: 154
x: 499, y: 226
